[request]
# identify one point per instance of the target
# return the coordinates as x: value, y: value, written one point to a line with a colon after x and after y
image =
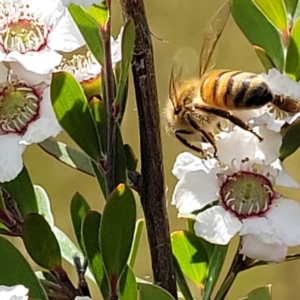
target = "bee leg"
x: 187, y: 144
x: 227, y: 115
x: 219, y: 126
x: 287, y: 105
x: 208, y: 137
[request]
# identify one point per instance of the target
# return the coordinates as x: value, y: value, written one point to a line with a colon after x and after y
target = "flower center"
x: 82, y: 67
x: 19, y: 105
x: 20, y: 29
x: 247, y: 193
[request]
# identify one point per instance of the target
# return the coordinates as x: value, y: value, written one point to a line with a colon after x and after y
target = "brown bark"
x: 152, y: 186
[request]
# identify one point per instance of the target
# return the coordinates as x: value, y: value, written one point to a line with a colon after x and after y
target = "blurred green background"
x: 181, y: 24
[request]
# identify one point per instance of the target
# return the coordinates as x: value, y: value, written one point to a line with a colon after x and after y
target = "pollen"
x: 20, y: 29
x: 19, y: 105
x: 247, y: 193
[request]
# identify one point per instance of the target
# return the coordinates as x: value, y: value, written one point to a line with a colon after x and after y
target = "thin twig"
x: 110, y: 106
x: 152, y: 191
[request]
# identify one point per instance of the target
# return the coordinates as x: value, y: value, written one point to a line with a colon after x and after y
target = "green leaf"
x: 98, y: 110
x: 69, y: 250
x: 128, y: 285
x: 14, y: 269
x: 91, y: 241
x: 291, y: 6
x: 99, y: 113
x: 117, y: 229
x: 79, y: 208
x: 73, y: 114
x: 68, y: 155
x: 275, y: 11
x: 128, y: 38
x: 131, y: 159
x: 22, y: 191
x: 40, y: 242
x: 139, y: 225
x: 258, y: 30
x: 262, y: 293
x: 99, y: 13
x: 292, y: 67
x: 120, y: 167
x: 191, y: 255
x: 214, y: 268
x: 44, y: 204
x: 290, y: 141
x: 180, y: 279
x: 264, y: 58
x: 152, y: 291
x: 2, y: 206
x: 100, y: 178
x: 89, y: 30
x: 297, y: 11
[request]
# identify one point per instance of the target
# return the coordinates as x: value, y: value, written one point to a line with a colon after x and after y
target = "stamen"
x: 246, y: 193
x: 19, y: 105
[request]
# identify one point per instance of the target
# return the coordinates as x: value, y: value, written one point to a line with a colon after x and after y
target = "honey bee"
x: 197, y: 107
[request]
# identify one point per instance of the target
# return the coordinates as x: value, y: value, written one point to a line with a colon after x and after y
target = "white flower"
x: 82, y: 298
x: 247, y: 202
x: 17, y: 292
x: 240, y: 144
x: 285, y: 87
x: 85, y: 67
x: 281, y: 84
x: 26, y: 117
x: 31, y: 33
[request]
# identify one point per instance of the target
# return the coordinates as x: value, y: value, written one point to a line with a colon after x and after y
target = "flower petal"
x: 254, y: 248
x: 269, y: 120
x: 284, y: 217
x: 283, y: 178
x: 41, y: 62
x: 194, y: 191
x: 187, y: 162
x: 231, y: 148
x: 31, y: 78
x: 281, y: 84
x: 43, y: 127
x: 17, y: 292
x: 11, y: 163
x: 268, y: 149
x: 217, y: 225
x: 65, y: 36
x: 261, y: 228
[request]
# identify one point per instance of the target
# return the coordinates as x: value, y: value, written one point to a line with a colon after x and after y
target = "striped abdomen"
x: 234, y: 90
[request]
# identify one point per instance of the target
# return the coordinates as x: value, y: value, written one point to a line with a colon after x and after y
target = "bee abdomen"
x: 234, y: 90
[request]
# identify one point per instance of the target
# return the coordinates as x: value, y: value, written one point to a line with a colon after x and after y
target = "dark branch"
x: 152, y: 190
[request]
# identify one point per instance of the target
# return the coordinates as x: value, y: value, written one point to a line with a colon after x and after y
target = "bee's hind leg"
x: 207, y: 136
x: 286, y: 104
x: 227, y: 115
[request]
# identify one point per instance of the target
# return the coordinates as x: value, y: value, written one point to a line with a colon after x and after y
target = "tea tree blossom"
x: 26, y: 117
x: 17, y: 292
x: 31, y: 33
x: 287, y: 88
x: 85, y: 68
x: 238, y: 197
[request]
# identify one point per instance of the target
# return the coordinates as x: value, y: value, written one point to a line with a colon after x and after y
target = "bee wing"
x: 172, y: 89
x: 212, y: 33
x: 173, y: 85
